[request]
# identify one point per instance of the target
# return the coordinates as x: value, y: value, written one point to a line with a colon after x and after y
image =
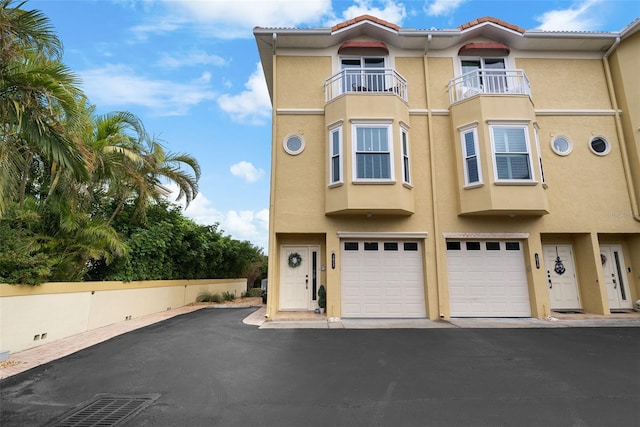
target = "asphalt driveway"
x: 207, y: 368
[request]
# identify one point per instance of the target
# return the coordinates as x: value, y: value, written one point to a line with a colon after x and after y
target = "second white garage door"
x: 487, y: 279
x: 382, y: 279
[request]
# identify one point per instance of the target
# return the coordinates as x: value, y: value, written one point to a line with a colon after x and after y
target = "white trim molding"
x: 516, y: 236
x: 299, y: 111
x: 541, y: 112
x: 381, y: 235
x: 424, y: 112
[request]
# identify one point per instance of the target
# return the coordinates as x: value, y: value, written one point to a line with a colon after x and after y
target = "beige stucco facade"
x: 540, y: 156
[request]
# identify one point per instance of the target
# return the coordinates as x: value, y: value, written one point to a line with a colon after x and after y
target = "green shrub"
x: 216, y: 298
x: 253, y: 292
x: 204, y: 297
x: 228, y: 296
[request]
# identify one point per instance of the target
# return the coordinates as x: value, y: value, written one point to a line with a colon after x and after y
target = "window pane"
x: 350, y: 246
x: 370, y: 246
x: 512, y: 246
x: 390, y: 246
x: 335, y: 169
x: 453, y: 246
x: 493, y: 246
x: 335, y: 142
x: 472, y: 170
x: 513, y: 166
x: 410, y: 246
x: 469, y: 144
x: 374, y: 62
x: 473, y: 246
x: 407, y: 178
x: 376, y: 166
x: 509, y: 140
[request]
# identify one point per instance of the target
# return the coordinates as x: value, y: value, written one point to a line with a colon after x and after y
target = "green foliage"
x: 81, y: 195
x: 253, y: 292
x: 228, y: 296
x: 203, y: 297
x: 322, y: 297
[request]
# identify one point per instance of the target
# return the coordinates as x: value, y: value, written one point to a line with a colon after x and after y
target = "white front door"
x: 298, y: 277
x: 561, y: 277
x: 615, y: 277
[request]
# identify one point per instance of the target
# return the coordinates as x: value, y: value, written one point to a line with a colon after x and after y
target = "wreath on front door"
x: 295, y: 260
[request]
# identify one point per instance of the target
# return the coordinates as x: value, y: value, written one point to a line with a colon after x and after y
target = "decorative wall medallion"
x: 295, y: 260
x: 559, y: 268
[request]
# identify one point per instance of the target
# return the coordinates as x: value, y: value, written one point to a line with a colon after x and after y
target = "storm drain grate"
x: 106, y: 411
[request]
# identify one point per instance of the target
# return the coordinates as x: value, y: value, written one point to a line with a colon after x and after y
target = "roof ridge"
x: 361, y: 18
x: 493, y: 20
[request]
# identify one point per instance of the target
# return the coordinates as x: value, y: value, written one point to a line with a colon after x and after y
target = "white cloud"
x: 582, y: 16
x: 391, y: 11
x: 119, y: 85
x: 442, y: 7
x: 249, y: 225
x: 240, y: 225
x: 247, y: 171
x: 191, y: 59
x: 236, y: 19
x: 251, y: 106
x: 157, y: 26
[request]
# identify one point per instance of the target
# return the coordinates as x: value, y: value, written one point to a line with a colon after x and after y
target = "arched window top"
x: 484, y: 49
x: 373, y: 47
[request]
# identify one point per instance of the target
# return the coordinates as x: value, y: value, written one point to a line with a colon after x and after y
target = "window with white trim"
x: 406, y: 170
x: 512, y: 159
x: 472, y: 172
x: 372, y: 153
x: 335, y: 155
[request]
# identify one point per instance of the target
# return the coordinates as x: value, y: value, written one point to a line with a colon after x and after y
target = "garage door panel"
x: 487, y: 283
x: 390, y: 281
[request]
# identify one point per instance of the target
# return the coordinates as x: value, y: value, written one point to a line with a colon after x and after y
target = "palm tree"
x: 38, y: 95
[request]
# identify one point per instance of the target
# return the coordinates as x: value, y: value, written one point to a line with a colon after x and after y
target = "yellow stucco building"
x: 482, y: 171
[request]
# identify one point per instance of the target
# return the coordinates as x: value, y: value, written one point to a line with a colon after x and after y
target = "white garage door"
x: 382, y: 279
x: 487, y: 279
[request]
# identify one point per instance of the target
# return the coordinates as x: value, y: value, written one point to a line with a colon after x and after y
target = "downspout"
x: 635, y: 209
x: 434, y: 197
x: 273, y: 247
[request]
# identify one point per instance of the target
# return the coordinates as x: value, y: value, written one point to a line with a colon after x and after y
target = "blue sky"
x: 190, y: 70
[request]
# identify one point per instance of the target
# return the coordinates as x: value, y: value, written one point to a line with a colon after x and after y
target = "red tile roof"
x: 365, y: 18
x: 493, y: 20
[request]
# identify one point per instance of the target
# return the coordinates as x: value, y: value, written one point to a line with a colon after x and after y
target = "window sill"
x: 336, y: 184
x: 517, y: 182
x: 474, y: 185
x: 407, y: 185
x: 374, y: 181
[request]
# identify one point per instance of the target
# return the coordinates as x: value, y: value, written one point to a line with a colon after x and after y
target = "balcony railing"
x: 365, y: 81
x: 486, y: 81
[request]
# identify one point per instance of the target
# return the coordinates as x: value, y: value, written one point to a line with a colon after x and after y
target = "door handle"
x: 615, y: 284
x: 306, y: 282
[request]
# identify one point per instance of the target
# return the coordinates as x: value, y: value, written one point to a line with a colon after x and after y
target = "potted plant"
x: 322, y: 298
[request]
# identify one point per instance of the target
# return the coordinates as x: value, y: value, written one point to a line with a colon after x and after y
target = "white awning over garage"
x: 487, y: 279
x: 382, y: 279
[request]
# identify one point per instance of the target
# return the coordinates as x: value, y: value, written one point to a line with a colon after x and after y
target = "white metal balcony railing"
x: 486, y: 81
x: 365, y: 80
